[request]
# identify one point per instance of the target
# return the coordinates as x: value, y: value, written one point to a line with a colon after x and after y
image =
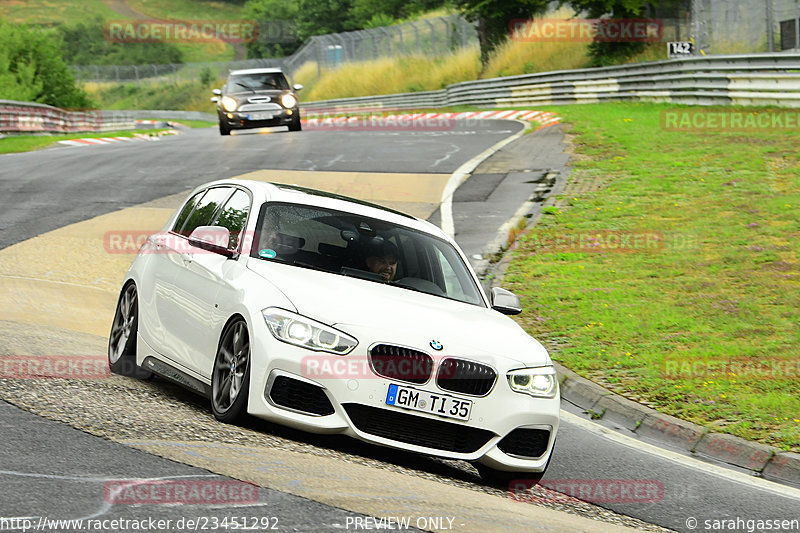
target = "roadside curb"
x: 603, y: 404
x: 90, y: 141
x: 600, y: 403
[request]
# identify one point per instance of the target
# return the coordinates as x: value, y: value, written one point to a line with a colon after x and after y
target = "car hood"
x: 375, y: 312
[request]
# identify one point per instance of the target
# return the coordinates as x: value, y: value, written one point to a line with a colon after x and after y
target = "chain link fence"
x: 430, y: 37
x: 716, y: 26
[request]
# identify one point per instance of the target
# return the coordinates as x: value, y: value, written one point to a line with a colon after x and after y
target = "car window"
x: 257, y: 82
x: 234, y: 216
x: 340, y: 243
x: 187, y: 209
x: 205, y: 209
x: 454, y: 284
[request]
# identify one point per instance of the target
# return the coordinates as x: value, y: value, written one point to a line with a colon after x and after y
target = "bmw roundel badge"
x: 436, y: 345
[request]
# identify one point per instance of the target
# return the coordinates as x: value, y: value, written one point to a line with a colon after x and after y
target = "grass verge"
x: 698, y: 317
x: 27, y: 143
x: 195, y: 123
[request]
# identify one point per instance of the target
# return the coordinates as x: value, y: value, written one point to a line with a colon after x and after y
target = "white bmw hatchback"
x: 332, y: 315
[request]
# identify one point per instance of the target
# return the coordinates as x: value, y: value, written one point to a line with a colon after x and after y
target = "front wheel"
x: 230, y: 381
x: 295, y: 125
x: 122, y: 340
x: 224, y: 129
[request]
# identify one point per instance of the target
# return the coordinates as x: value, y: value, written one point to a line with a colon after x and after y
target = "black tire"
x: 295, y: 125
x: 230, y: 379
x: 223, y: 129
x: 122, y: 339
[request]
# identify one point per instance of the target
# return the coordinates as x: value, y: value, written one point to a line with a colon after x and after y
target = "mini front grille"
x: 403, y: 364
x: 524, y: 442
x: 465, y: 377
x: 259, y: 107
x: 300, y: 396
x: 416, y: 430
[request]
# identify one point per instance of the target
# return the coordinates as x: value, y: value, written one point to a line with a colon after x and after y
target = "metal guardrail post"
x: 447, y: 32
x: 770, y: 27
x: 797, y: 24
x: 402, y: 42
x: 433, y: 36
x: 388, y: 35
x: 317, y: 48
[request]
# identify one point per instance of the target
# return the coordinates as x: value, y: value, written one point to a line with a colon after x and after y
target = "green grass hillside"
x: 670, y: 269
x: 71, y: 13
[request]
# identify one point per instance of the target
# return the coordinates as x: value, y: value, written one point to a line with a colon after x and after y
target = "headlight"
x: 288, y: 101
x: 539, y: 382
x: 229, y: 104
x: 302, y: 331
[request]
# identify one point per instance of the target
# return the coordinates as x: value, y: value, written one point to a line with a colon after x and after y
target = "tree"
x: 494, y: 18
x: 277, y: 28
x: 85, y: 44
x: 318, y: 17
x: 606, y: 53
x: 32, y: 69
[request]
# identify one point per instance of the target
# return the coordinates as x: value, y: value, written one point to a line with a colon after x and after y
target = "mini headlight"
x: 229, y: 104
x: 302, y: 331
x: 540, y: 382
x: 288, y: 101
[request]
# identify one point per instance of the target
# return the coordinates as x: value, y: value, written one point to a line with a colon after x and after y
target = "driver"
x: 382, y: 259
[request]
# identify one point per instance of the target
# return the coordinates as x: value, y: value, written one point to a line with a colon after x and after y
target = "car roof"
x: 256, y: 71
x: 295, y: 194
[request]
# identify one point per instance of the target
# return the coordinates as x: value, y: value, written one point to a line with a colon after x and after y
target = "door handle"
x: 187, y: 258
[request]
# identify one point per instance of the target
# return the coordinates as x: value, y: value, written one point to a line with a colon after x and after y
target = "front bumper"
x: 493, y: 417
x: 258, y: 119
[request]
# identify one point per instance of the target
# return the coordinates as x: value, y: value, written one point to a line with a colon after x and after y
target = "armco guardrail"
x: 752, y: 79
x: 27, y: 117
x: 160, y: 114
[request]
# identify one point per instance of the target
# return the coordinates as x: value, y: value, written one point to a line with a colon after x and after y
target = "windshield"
x: 373, y: 250
x: 258, y: 82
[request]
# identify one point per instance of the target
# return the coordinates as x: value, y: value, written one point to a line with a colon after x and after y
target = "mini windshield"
x: 370, y: 249
x: 258, y: 82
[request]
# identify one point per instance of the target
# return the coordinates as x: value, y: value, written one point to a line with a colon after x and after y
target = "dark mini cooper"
x: 257, y: 98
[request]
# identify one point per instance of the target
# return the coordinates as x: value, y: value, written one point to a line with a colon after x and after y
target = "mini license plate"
x: 259, y: 116
x: 428, y: 402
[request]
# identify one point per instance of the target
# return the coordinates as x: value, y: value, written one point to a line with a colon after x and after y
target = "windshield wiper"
x: 301, y: 264
x: 240, y: 84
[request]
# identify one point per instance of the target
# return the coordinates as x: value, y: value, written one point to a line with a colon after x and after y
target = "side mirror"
x: 505, y: 301
x: 212, y: 238
x: 297, y: 87
x: 215, y: 99
x: 217, y: 92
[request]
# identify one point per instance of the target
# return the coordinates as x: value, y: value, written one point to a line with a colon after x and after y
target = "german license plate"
x: 428, y: 402
x: 259, y: 116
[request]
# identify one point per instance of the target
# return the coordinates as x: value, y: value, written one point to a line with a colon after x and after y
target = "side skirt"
x: 170, y: 373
